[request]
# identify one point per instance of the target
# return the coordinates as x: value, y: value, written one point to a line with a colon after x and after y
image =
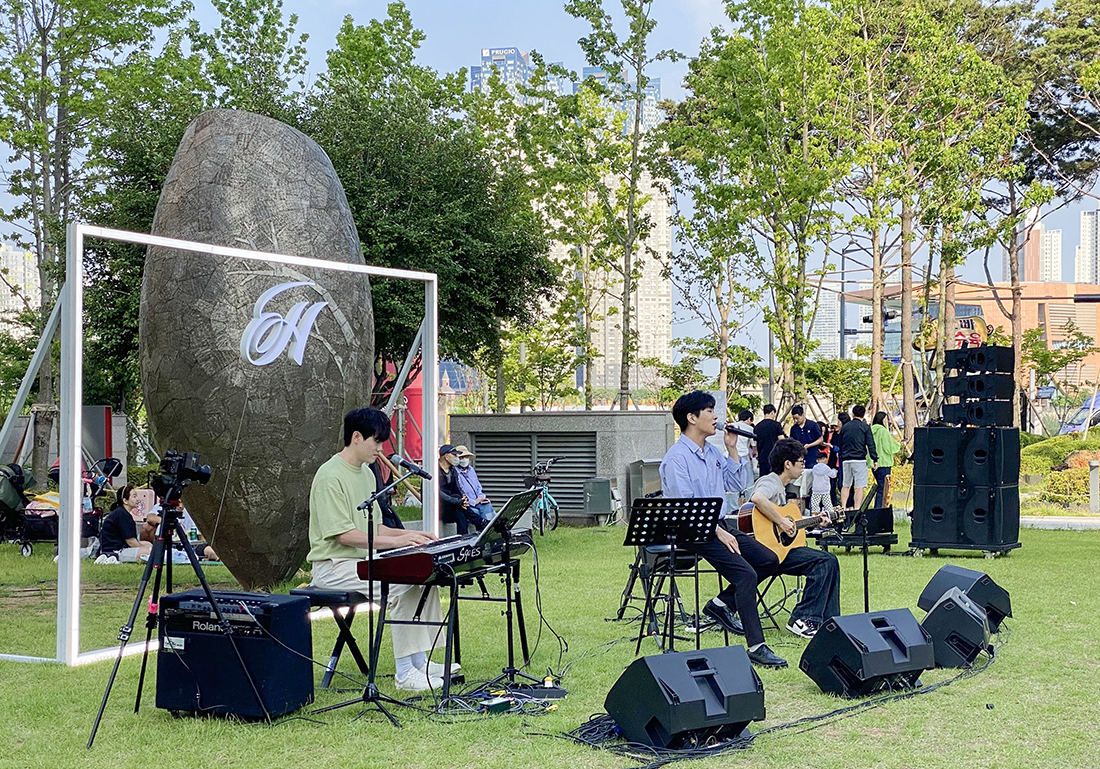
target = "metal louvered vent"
x: 503, y: 459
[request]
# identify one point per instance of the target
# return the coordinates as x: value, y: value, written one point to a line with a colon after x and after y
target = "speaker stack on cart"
x: 966, y: 475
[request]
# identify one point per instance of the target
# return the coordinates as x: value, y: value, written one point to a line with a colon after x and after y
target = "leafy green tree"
x: 63, y: 59
x: 1060, y: 366
x: 540, y: 362
x: 625, y: 59
x: 763, y: 104
x: 424, y: 194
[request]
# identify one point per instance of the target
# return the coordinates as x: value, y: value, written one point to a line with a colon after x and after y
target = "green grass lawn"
x: 1043, y: 687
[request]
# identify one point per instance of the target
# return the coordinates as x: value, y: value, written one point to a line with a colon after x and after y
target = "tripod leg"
x: 126, y: 631
x: 150, y: 623
x: 628, y: 591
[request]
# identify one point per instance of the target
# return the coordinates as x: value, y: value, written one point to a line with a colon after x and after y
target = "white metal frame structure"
x: 72, y: 401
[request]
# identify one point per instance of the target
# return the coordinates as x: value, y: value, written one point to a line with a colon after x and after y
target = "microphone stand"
x: 371, y: 696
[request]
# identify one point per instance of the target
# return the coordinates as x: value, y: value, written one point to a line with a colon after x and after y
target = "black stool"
x: 334, y: 600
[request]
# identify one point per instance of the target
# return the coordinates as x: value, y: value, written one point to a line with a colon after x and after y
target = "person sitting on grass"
x: 118, y: 536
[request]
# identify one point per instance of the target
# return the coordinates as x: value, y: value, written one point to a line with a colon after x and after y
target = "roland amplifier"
x: 198, y: 672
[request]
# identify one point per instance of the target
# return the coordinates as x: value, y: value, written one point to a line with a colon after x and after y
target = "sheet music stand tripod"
x: 673, y: 522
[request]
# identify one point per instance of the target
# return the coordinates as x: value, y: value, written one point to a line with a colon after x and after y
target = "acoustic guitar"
x: 754, y: 523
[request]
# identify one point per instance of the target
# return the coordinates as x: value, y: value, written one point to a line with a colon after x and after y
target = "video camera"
x: 177, y: 471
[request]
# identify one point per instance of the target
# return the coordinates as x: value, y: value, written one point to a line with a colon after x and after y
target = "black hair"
x: 859, y: 411
x: 844, y: 418
x: 744, y: 416
x: 369, y: 423
x: 880, y: 418
x: 796, y: 411
x: 123, y: 494
x: 785, y: 450
x: 690, y: 403
x: 768, y: 409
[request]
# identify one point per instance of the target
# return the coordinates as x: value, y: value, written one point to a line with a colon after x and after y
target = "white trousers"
x: 342, y: 574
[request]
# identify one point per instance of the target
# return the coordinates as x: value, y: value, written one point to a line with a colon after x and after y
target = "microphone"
x: 729, y: 428
x: 412, y: 467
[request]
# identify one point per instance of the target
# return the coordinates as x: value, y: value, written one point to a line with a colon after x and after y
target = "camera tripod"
x: 160, y: 563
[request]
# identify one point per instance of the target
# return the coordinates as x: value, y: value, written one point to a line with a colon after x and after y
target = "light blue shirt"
x: 468, y: 481
x: 690, y: 471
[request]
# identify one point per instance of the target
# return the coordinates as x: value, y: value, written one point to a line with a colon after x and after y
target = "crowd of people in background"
x: 842, y: 457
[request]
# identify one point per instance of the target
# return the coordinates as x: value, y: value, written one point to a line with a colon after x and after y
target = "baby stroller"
x: 13, y: 503
x: 37, y: 520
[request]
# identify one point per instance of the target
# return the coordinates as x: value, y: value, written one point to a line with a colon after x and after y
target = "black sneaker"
x: 805, y: 628
x: 724, y: 617
x: 766, y: 658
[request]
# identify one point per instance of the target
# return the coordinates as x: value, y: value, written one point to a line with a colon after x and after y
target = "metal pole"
x: 430, y: 406
x: 39, y: 357
x: 72, y: 399
x: 843, y: 316
x: 1094, y: 487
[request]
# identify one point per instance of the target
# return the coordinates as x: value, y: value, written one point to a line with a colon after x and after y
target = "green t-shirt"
x: 338, y: 489
x: 885, y: 444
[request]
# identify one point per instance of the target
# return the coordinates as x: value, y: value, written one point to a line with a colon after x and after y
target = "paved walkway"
x: 1071, y: 522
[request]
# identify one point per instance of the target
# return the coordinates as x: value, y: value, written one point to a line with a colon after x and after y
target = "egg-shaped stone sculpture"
x: 253, y: 364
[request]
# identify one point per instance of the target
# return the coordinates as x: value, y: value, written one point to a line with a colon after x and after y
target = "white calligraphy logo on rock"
x: 268, y: 333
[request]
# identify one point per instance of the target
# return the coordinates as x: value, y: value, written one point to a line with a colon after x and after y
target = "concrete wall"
x: 621, y: 436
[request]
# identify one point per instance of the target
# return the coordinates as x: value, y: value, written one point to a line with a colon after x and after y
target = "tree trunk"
x: 1017, y: 324
x: 908, y: 396
x: 941, y: 336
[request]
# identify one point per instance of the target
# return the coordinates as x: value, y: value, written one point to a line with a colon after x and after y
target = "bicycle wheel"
x: 552, y: 517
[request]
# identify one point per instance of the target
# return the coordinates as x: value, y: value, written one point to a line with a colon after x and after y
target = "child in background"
x: 820, y: 489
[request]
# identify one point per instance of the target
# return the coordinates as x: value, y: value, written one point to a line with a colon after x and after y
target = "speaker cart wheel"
x: 918, y: 553
x: 990, y: 555
x: 26, y: 550
x: 933, y: 551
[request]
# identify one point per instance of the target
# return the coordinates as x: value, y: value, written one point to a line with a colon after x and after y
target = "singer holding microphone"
x: 338, y: 542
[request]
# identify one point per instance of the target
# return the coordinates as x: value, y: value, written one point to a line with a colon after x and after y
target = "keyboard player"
x: 338, y: 542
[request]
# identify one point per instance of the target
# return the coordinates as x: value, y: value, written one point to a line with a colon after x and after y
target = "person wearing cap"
x: 453, y: 504
x: 480, y: 511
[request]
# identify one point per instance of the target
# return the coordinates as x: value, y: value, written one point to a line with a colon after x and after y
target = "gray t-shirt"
x: 772, y: 488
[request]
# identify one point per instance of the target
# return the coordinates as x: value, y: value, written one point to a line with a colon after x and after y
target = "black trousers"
x: 742, y: 576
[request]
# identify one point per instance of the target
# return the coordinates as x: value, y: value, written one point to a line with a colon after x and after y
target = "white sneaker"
x: 436, y: 670
x: 104, y: 559
x: 418, y: 681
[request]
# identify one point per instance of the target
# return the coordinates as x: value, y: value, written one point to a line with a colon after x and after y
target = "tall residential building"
x: 651, y: 115
x: 1050, y: 257
x: 1087, y: 257
x: 652, y: 317
x: 20, y: 285
x: 1029, y: 236
x: 514, y: 69
x: 826, y: 327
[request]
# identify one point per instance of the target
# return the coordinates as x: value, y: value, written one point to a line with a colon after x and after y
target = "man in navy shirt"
x: 694, y: 468
x: 808, y: 433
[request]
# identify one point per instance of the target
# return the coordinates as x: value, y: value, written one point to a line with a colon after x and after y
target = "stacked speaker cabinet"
x: 966, y: 477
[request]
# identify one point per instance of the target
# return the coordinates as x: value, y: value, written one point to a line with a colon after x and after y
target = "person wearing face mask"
x: 480, y: 510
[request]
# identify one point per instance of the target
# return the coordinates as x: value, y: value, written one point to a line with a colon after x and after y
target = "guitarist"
x: 692, y: 467
x: 821, y: 596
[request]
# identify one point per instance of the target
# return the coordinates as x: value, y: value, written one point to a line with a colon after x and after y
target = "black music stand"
x: 671, y: 522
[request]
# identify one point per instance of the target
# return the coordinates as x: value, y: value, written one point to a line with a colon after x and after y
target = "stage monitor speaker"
x: 668, y: 700
x: 981, y: 360
x: 987, y: 386
x: 978, y: 587
x: 861, y: 654
x: 959, y: 629
x: 967, y: 456
x: 197, y: 671
x: 979, y: 413
x: 967, y: 517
